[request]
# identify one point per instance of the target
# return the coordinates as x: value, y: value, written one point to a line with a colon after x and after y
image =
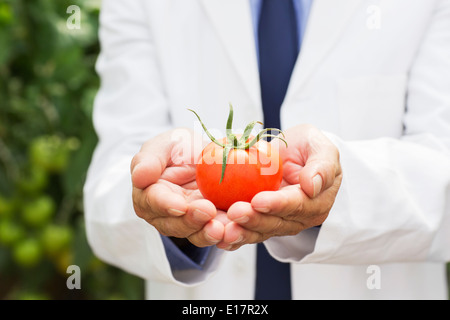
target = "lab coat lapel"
x: 326, y: 23
x: 233, y: 23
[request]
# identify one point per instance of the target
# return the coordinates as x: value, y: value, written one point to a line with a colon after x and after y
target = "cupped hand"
x: 312, y: 176
x: 165, y: 193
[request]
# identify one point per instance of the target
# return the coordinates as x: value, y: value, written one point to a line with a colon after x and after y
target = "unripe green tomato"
x: 56, y: 238
x: 39, y: 211
x: 7, y: 206
x: 10, y: 232
x: 27, y: 253
x: 50, y: 153
x: 34, y: 180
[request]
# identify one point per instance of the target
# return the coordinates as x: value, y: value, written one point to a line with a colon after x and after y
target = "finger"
x: 232, y: 237
x: 295, y: 207
x: 161, y: 200
x: 243, y: 214
x: 318, y: 175
x: 254, y: 227
x: 321, y: 167
x: 179, y: 147
x: 199, y: 213
x: 148, y: 164
x: 213, y: 231
x: 146, y: 171
x: 282, y: 203
x: 235, y: 236
x: 180, y: 175
x: 222, y: 217
x: 210, y: 234
x: 149, y: 209
x: 316, y: 158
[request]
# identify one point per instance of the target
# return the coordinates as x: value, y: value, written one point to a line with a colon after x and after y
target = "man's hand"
x: 165, y: 193
x: 312, y: 176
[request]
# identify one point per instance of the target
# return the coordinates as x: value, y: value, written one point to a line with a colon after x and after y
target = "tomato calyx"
x: 243, y: 143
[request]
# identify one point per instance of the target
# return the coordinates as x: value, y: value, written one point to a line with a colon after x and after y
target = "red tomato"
x: 252, y: 166
x: 248, y: 171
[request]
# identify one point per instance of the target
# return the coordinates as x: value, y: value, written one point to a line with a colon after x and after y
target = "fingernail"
x: 176, y: 212
x: 211, y: 239
x: 242, y: 219
x: 201, y: 216
x: 263, y: 209
x: 317, y: 182
x: 237, y: 240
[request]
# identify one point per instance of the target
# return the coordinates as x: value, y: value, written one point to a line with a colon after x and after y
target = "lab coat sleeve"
x: 129, y: 109
x: 394, y: 201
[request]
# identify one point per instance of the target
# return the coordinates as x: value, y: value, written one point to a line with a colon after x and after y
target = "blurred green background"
x: 47, y: 87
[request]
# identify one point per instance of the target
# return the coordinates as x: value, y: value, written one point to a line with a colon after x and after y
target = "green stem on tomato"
x: 263, y: 134
x: 248, y: 130
x: 232, y: 142
x: 206, y: 130
x: 229, y: 121
x: 226, y: 152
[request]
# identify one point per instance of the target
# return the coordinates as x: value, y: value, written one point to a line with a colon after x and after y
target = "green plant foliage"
x: 47, y: 87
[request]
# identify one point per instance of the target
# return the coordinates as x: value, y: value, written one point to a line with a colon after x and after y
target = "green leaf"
x: 206, y: 130
x: 248, y: 130
x: 264, y: 134
x: 230, y: 121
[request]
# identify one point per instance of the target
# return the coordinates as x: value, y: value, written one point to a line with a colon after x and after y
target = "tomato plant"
x: 47, y: 89
x: 27, y: 252
x: 39, y: 211
x: 51, y: 152
x: 10, y: 232
x: 55, y: 238
x: 238, y: 166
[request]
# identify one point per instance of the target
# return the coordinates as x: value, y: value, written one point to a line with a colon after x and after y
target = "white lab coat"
x: 374, y: 76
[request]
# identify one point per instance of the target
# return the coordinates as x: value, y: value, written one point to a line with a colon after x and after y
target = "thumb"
x: 320, y: 171
x: 321, y: 164
x: 152, y: 159
x: 177, y: 147
x: 148, y: 165
x: 314, y: 178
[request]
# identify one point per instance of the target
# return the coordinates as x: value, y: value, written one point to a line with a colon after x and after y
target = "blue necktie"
x: 278, y: 50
